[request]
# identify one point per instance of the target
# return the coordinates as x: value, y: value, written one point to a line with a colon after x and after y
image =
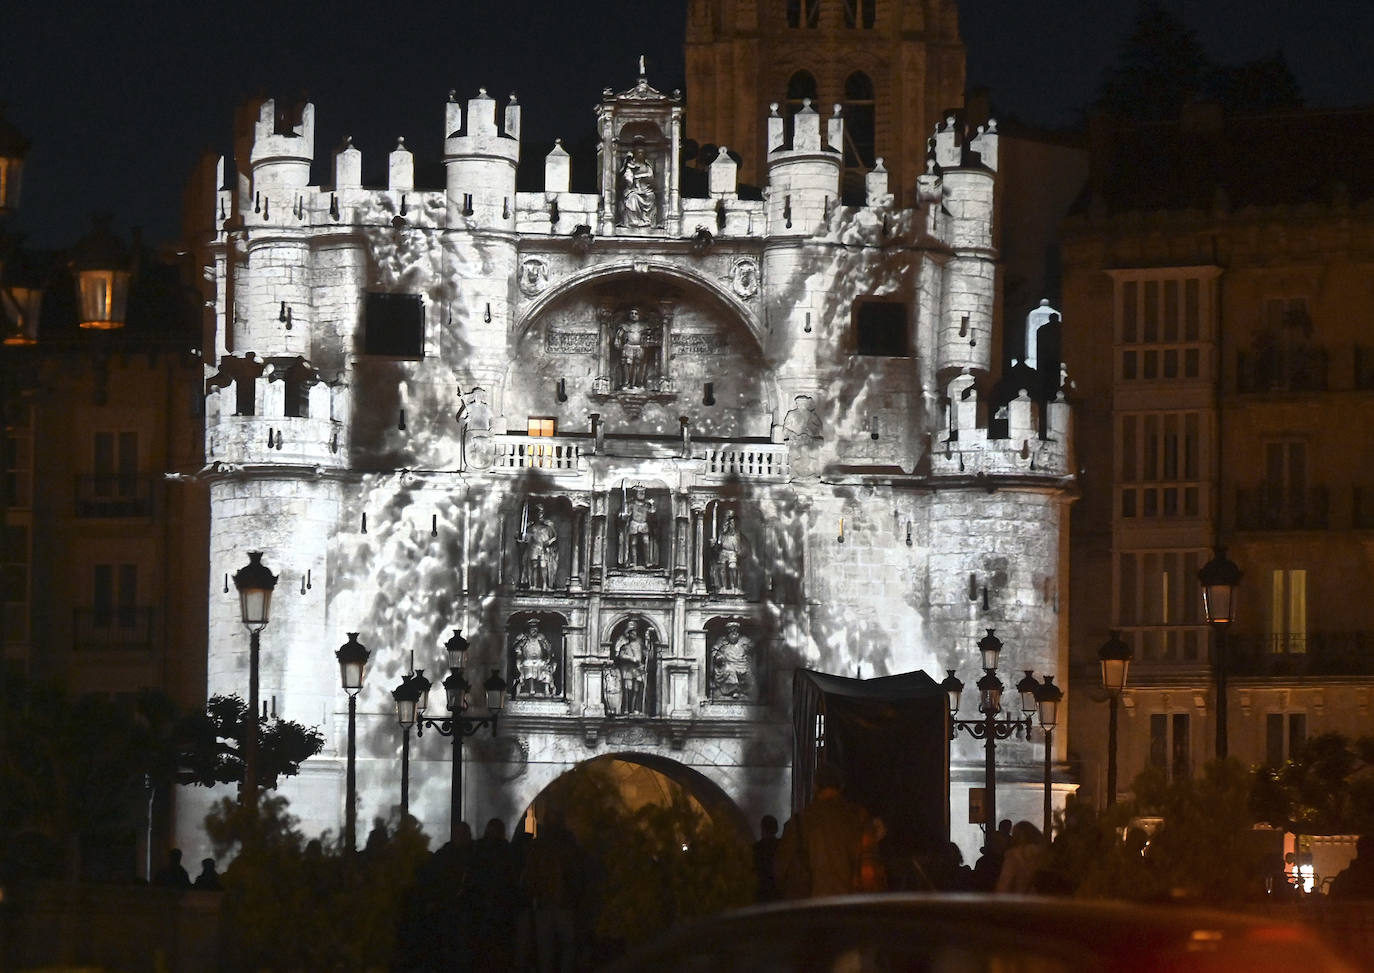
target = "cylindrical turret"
x: 964, y: 336
x: 803, y: 178
x: 481, y: 164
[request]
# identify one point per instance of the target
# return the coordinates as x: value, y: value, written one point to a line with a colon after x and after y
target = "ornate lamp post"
x: 1219, y: 578
x: 352, y: 657
x: 1047, y: 697
x: 412, y: 699
x: 456, y: 725
x: 254, y: 583
x: 13, y: 148
x: 989, y: 729
x: 1115, y: 656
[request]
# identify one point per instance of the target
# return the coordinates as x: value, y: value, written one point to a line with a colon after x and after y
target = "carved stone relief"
x: 535, y: 665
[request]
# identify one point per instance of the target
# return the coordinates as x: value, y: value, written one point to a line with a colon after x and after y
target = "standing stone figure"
x: 630, y: 654
x: 637, y: 531
x: 474, y: 424
x: 728, y: 546
x: 538, y: 551
x: 732, y: 665
x: 631, y: 344
x: 638, y: 198
x: 535, y: 667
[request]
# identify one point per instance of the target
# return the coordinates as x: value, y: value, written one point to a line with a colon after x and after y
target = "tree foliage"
x: 1327, y: 787
x: 293, y: 904
x: 210, y: 745
x: 1162, y: 66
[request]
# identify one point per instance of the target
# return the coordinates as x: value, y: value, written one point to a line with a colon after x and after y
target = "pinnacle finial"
x: 642, y: 72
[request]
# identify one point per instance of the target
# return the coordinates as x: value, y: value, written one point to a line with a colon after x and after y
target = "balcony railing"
x: 124, y: 628
x: 1298, y: 369
x: 114, y: 496
x: 744, y: 460
x: 1278, y: 508
x: 1302, y: 654
x: 552, y: 453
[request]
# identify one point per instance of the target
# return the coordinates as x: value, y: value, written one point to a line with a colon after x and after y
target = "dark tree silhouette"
x: 1327, y: 787
x: 210, y: 745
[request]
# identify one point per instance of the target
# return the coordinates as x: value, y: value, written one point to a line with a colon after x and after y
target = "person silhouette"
x: 172, y: 875
x: 208, y: 879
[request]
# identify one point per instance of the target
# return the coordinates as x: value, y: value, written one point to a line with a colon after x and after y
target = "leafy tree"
x: 1327, y: 787
x: 210, y: 745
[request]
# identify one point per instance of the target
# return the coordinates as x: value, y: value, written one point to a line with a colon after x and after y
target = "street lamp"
x: 989, y: 729
x: 412, y: 699
x: 254, y: 583
x: 1115, y: 656
x: 352, y: 657
x: 13, y: 148
x: 102, y: 266
x: 1047, y: 698
x: 1219, y: 578
x: 458, y: 726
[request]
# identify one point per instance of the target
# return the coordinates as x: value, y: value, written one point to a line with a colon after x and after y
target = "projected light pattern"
x: 649, y: 458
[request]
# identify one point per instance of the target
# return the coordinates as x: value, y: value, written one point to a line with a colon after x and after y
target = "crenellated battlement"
x: 957, y: 145
x: 1017, y: 440
x: 277, y: 410
x: 481, y: 136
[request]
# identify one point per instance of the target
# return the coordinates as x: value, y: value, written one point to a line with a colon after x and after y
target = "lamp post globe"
x: 255, y: 583
x: 352, y: 658
x: 1219, y: 578
x: 102, y: 265
x: 1115, y: 656
x: 1028, y: 687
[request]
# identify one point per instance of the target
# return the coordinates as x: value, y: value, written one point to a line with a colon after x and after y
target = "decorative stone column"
x: 698, y: 505
x: 681, y: 539
x: 580, y: 539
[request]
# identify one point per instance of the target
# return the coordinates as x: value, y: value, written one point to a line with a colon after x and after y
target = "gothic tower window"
x: 800, y: 86
x: 803, y: 13
x: 859, y: 126
x: 859, y: 13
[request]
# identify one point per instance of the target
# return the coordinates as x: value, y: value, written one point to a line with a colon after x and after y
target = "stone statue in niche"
x: 732, y: 665
x: 536, y: 670
x: 637, y: 541
x: 630, y: 655
x: 538, y: 542
x: 631, y: 343
x: 474, y: 424
x: 728, y: 547
x: 638, y: 197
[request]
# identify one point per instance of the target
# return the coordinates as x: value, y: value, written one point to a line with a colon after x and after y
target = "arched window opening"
x: 800, y: 86
x: 803, y: 13
x: 859, y: 13
x: 859, y: 135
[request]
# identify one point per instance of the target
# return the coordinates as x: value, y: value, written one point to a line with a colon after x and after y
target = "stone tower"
x: 894, y: 65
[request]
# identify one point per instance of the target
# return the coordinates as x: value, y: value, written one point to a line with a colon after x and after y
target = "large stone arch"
x: 682, y: 273
x: 701, y: 350
x: 708, y: 793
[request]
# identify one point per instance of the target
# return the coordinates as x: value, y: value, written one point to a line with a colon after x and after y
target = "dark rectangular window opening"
x: 880, y: 329
x: 394, y: 325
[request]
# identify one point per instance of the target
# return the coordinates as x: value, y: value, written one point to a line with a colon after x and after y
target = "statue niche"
x: 634, y: 350
x: 539, y: 541
x: 732, y: 665
x: 727, y: 553
x: 535, y: 651
x: 633, y: 650
x: 640, y: 524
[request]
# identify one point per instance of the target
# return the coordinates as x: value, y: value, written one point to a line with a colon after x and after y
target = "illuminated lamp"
x: 13, y: 148
x: 255, y: 582
x: 1028, y: 687
x: 990, y: 647
x: 21, y: 298
x: 1219, y: 578
x: 352, y: 657
x: 495, y: 688
x: 102, y: 265
x: 954, y: 689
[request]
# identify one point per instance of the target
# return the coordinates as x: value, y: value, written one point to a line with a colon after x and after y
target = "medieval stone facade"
x: 650, y: 453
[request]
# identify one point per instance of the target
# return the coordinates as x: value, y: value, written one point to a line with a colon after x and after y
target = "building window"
x: 880, y: 329
x: 114, y: 595
x: 803, y: 13
x: 1288, y: 614
x: 1158, y: 607
x: 1169, y: 744
x: 541, y: 425
x: 1284, y: 735
x: 115, y: 488
x: 14, y: 583
x: 394, y: 325
x: 1159, y: 465
x: 859, y: 13
x: 245, y: 395
x: 1283, y: 356
x: 18, y: 483
x: 296, y: 392
x: 859, y: 128
x: 1160, y: 329
x: 1284, y: 500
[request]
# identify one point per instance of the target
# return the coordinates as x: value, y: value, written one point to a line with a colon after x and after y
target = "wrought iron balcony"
x: 121, y: 628
x: 1296, y: 369
x: 1277, y: 508
x: 114, y: 496
x: 1302, y: 654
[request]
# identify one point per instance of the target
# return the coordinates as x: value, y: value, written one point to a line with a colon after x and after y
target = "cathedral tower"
x: 865, y: 55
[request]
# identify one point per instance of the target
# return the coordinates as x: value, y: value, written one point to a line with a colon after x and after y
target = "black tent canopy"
x: 889, y: 737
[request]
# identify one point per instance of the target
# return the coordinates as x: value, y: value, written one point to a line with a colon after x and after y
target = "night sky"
x: 120, y: 99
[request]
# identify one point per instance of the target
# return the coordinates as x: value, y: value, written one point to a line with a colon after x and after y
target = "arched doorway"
x: 623, y: 785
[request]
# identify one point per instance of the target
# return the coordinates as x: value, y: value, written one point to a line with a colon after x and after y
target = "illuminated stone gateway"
x: 650, y: 453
